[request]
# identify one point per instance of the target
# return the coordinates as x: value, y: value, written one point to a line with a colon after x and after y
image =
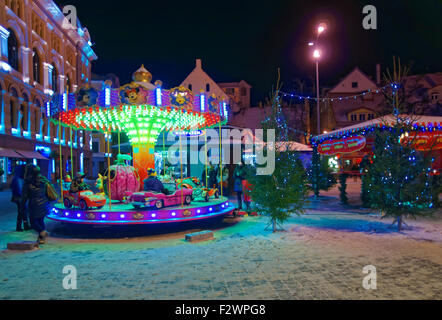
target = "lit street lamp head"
x: 316, y: 54
x: 321, y: 28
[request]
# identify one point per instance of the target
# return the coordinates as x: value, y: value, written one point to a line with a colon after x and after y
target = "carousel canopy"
x: 140, y: 108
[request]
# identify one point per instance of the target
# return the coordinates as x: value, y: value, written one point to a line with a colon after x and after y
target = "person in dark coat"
x: 152, y: 183
x: 212, y: 176
x: 17, y: 197
x: 34, y: 191
x: 238, y: 177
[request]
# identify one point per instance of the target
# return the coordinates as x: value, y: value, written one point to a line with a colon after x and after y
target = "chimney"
x: 378, y: 74
x: 198, y: 63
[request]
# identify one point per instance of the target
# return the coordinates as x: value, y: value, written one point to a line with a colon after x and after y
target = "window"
x: 95, y: 146
x: 16, y: 7
x: 207, y: 87
x: 68, y: 83
x: 230, y: 91
x: 354, y: 117
x: 36, y: 66
x: 370, y: 116
x: 189, y: 87
x: 54, y: 79
x: 36, y: 121
x: 243, y: 92
x: 362, y: 117
x: 12, y: 108
x: 22, y: 117
x: 13, y: 50
x: 435, y: 96
x: 354, y: 84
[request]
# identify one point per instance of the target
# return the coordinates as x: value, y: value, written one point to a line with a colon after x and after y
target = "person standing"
x: 35, y: 191
x: 213, y: 173
x: 225, y: 182
x: 238, y: 176
x: 17, y: 197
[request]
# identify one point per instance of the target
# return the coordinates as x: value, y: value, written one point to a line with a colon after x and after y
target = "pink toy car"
x: 146, y: 199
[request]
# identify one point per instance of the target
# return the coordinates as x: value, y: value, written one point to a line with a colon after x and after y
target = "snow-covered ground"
x: 319, y: 256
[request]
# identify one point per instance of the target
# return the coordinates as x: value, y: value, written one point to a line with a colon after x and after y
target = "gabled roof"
x: 241, y: 83
x: 198, y: 70
x: 356, y: 72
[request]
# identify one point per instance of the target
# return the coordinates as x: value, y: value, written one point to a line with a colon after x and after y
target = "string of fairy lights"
x: 339, y: 98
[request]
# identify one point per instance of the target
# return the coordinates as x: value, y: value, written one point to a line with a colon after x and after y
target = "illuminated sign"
x: 44, y: 150
x: 192, y: 133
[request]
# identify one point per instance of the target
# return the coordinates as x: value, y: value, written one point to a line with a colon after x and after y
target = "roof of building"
x: 241, y: 83
x: 388, y: 119
x: 199, y: 71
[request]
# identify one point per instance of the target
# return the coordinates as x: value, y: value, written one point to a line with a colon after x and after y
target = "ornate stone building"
x: 41, y: 53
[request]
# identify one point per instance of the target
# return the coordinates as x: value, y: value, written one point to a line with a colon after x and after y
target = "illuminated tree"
x: 399, y: 177
x: 319, y: 173
x: 282, y: 193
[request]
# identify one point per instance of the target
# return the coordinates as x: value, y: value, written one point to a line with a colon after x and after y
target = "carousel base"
x: 126, y: 214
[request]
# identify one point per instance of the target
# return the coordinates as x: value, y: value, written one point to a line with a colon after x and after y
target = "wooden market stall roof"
x: 419, y: 120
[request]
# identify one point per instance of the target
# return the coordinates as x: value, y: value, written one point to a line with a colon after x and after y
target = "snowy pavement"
x: 320, y: 256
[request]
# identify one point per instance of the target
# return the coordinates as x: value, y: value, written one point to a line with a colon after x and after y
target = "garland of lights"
x: 303, y: 97
x: 317, y: 140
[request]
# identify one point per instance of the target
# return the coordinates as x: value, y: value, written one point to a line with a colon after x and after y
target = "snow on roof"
x: 386, y: 119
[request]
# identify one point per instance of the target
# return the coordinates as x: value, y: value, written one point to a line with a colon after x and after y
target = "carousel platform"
x: 126, y: 214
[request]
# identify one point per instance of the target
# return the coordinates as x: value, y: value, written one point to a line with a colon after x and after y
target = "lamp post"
x: 317, y: 55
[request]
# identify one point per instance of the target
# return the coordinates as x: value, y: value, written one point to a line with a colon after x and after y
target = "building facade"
x: 238, y: 93
x: 41, y: 53
x: 422, y: 96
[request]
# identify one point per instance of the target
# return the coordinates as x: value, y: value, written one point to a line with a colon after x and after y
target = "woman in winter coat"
x: 35, y: 192
x: 17, y: 197
x: 239, y: 176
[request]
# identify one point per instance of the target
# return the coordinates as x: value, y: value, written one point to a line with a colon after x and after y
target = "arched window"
x: 12, y: 108
x: 23, y: 117
x: 36, y: 121
x: 207, y: 87
x: 24, y: 108
x: 190, y: 87
x: 36, y: 66
x: 13, y: 50
x: 54, y: 79
x: 68, y: 83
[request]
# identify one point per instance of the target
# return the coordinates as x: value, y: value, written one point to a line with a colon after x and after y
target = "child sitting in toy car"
x: 153, y: 184
x: 78, y: 184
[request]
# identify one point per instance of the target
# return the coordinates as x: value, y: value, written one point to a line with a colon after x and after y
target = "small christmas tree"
x: 399, y: 178
x: 282, y: 193
x: 343, y: 188
x: 319, y: 173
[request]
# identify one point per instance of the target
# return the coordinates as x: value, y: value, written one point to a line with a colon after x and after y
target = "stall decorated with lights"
x: 142, y: 111
x: 351, y: 144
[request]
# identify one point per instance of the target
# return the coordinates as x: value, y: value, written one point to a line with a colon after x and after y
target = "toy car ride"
x: 148, y: 199
x: 200, y: 193
x: 83, y: 199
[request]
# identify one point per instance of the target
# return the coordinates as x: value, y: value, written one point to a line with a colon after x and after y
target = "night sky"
x: 250, y: 39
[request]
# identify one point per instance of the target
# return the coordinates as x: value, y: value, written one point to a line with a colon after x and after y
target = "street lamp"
x: 316, y: 56
x: 321, y: 28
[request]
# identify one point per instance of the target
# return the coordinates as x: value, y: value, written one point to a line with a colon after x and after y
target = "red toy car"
x: 83, y: 199
x: 159, y: 200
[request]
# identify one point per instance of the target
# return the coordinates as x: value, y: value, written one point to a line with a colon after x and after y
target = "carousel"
x: 143, y: 111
